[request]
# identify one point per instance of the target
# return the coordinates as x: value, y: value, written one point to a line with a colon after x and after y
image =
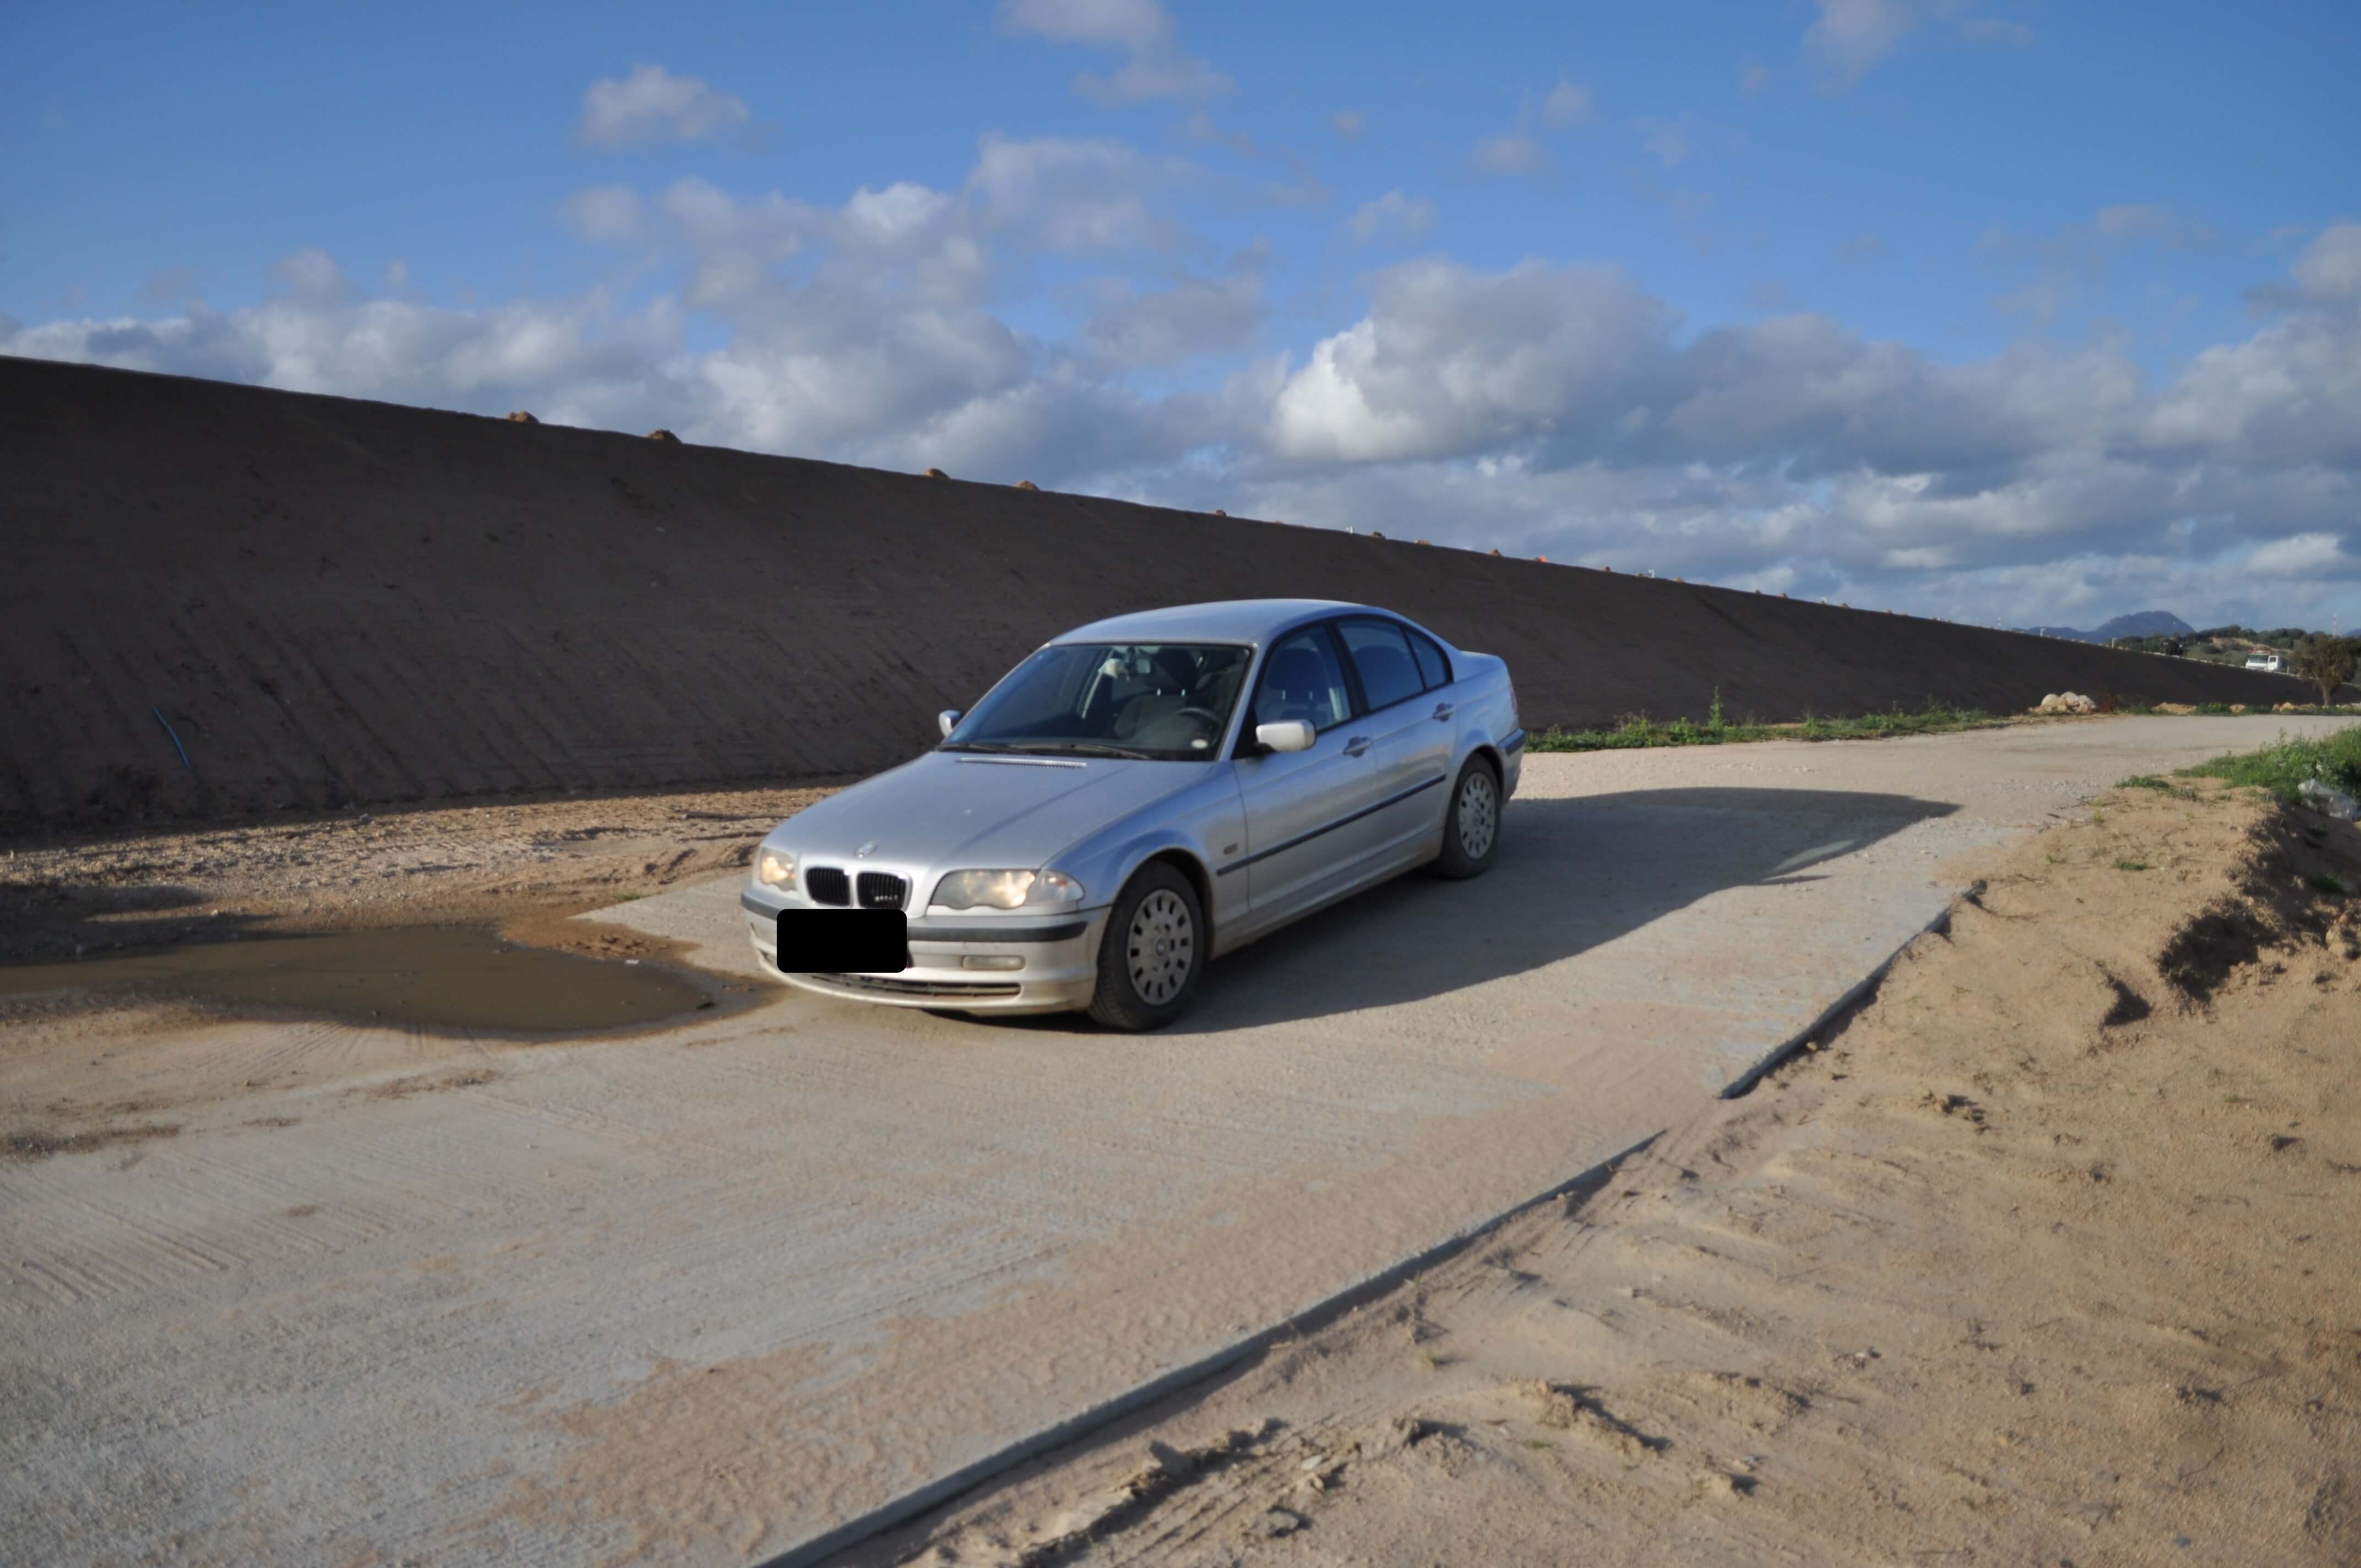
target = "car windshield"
x: 1161, y: 701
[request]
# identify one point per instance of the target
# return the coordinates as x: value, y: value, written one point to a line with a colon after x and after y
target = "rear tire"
x: 1471, y: 824
x: 1153, y: 951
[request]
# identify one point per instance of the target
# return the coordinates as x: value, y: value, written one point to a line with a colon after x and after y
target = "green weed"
x: 1635, y: 731
x: 2282, y: 768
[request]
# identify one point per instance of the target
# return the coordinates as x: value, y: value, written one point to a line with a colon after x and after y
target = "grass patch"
x: 2282, y: 768
x: 2131, y: 865
x: 2330, y: 883
x: 1637, y: 730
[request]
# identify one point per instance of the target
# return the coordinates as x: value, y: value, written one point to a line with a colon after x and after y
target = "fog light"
x: 991, y: 960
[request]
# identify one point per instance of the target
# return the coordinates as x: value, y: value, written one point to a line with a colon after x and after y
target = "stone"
x: 1276, y: 1523
x: 662, y: 435
x: 520, y: 416
x: 937, y: 474
x: 1026, y: 484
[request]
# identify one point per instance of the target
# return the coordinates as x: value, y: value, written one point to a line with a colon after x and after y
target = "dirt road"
x: 2050, y: 1254
x: 704, y: 1294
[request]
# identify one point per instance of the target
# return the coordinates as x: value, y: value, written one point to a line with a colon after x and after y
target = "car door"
x: 1307, y: 832
x: 1411, y: 729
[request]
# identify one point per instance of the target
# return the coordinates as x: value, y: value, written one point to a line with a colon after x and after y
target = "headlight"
x: 774, y: 868
x: 1005, y: 889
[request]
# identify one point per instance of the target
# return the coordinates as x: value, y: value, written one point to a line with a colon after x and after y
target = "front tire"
x: 1471, y: 826
x: 1152, y: 953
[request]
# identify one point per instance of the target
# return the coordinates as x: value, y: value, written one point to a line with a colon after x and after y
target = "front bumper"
x: 1061, y: 957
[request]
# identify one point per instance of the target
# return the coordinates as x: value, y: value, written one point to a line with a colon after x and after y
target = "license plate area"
x: 843, y: 941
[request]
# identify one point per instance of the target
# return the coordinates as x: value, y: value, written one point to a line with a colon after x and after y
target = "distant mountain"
x: 2139, y: 624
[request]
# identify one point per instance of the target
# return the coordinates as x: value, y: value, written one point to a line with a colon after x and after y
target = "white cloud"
x: 2130, y: 221
x: 606, y: 215
x: 1567, y: 105
x: 1393, y: 214
x: 2330, y: 266
x: 1450, y: 361
x: 1141, y: 29
x: 2300, y: 555
x: 1672, y: 142
x: 1139, y: 26
x: 1851, y: 36
x: 1512, y: 152
x: 1063, y: 193
x: 1350, y: 124
x: 653, y: 105
x: 1191, y: 318
x: 315, y: 277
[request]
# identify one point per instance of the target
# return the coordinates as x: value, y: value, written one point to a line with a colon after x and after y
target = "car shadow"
x: 1573, y: 874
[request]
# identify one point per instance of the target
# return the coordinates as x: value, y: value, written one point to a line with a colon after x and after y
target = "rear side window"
x: 1388, y: 674
x: 1432, y: 665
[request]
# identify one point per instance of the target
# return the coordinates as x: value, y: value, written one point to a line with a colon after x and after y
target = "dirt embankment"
x: 323, y: 601
x: 2050, y: 1254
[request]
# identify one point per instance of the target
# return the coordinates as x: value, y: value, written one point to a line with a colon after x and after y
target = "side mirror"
x: 1287, y: 735
x: 947, y: 719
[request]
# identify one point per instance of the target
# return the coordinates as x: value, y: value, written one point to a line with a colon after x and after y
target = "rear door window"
x: 1432, y: 667
x: 1381, y: 654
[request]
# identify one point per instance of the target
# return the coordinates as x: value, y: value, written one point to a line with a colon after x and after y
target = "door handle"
x: 1356, y: 745
x: 1445, y: 710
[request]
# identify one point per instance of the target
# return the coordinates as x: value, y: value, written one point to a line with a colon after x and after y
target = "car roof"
x: 1226, y: 620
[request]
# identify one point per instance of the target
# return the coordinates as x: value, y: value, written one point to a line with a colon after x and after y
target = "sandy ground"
x: 2049, y: 1254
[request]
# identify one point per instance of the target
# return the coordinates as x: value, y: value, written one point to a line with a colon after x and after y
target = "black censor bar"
x: 843, y: 941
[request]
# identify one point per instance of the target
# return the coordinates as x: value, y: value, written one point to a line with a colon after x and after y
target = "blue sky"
x: 2002, y: 310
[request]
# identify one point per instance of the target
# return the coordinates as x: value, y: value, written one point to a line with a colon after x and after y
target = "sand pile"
x: 2051, y: 1254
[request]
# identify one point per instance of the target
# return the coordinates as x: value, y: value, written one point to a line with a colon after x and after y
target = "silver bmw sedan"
x: 1138, y: 798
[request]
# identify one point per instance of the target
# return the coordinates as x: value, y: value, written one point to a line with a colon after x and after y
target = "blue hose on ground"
x: 176, y: 739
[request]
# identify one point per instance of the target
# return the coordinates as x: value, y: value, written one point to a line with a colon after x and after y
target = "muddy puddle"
x: 461, y: 979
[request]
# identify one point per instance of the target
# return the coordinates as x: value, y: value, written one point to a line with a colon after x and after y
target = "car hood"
x: 949, y: 811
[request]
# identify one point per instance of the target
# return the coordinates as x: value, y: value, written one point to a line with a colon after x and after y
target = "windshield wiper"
x: 1088, y: 749
x: 976, y: 746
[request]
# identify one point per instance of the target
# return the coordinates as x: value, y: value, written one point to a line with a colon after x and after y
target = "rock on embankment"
x: 323, y: 601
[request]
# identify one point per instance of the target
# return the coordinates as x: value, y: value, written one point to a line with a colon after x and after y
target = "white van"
x: 2267, y: 662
